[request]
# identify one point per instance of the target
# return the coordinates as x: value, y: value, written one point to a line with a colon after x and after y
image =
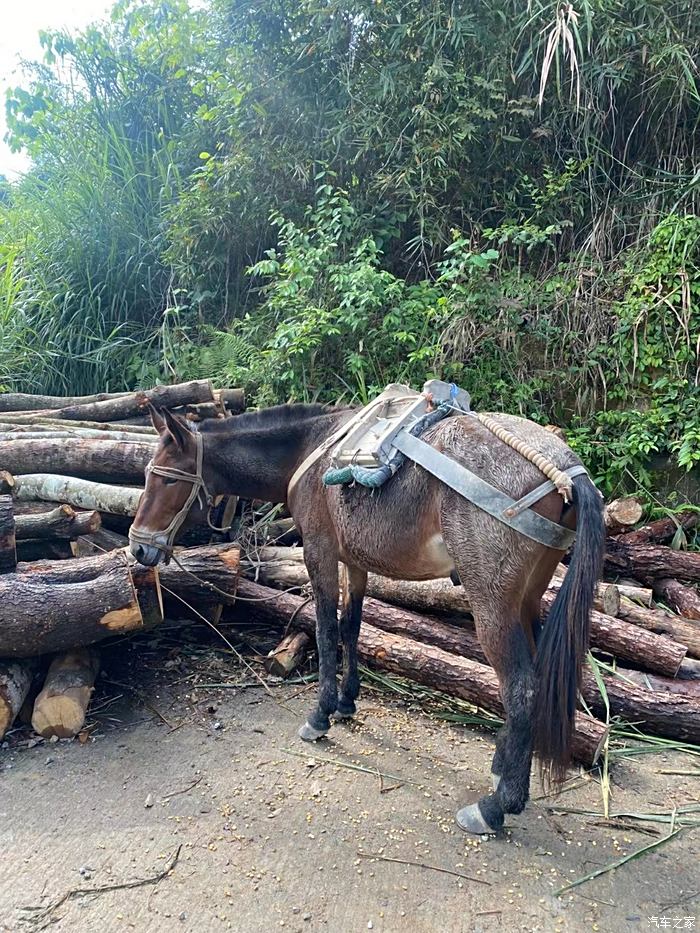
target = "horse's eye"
x: 169, y: 481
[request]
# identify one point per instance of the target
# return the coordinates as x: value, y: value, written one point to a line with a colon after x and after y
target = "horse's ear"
x: 177, y: 428
x: 157, y: 420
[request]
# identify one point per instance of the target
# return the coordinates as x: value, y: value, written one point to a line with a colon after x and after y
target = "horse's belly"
x: 427, y: 560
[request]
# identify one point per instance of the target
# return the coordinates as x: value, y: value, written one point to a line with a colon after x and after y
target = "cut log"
x: 288, y: 655
x: 8, y: 547
x: 654, y: 652
x: 81, y: 493
x: 685, y: 600
x: 40, y: 615
x: 422, y: 663
x: 186, y: 393
x: 209, y: 572
x: 659, y: 684
x: 99, y: 542
x: 7, y: 483
x: 663, y: 529
x: 55, y: 434
x: 20, y: 401
x: 650, y: 562
x: 89, y: 458
x: 663, y: 623
x: 61, y: 522
x: 232, y: 399
x: 607, y: 596
x: 147, y: 431
x: 643, y: 595
x: 670, y: 715
x: 61, y: 706
x: 15, y: 681
x: 621, y: 515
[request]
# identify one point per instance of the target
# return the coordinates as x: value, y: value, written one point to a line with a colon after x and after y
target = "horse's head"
x: 173, y: 481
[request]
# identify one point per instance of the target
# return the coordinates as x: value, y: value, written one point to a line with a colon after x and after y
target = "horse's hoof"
x: 344, y: 711
x: 309, y: 734
x: 495, y: 781
x: 470, y: 819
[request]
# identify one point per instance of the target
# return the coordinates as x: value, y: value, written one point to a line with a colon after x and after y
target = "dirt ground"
x: 262, y: 832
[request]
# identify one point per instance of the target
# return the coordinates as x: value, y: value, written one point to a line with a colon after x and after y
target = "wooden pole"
x: 681, y: 630
x: 39, y: 615
x: 621, y: 515
x: 61, y: 522
x: 685, y: 600
x: 90, y: 458
x: 61, y: 706
x: 81, y: 493
x: 8, y: 547
x: 288, y: 655
x: 15, y: 681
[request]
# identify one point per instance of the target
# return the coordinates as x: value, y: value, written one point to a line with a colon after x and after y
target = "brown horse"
x: 416, y: 528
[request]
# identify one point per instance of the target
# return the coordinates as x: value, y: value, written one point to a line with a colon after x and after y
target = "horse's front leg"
x: 353, y: 593
x: 321, y: 560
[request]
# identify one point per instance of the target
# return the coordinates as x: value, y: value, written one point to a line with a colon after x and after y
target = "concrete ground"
x: 262, y: 832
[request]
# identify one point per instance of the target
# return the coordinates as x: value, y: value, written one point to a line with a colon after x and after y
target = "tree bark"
x: 422, y: 663
x: 662, y: 623
x: 643, y: 595
x: 666, y: 714
x: 20, y: 401
x: 7, y: 483
x: 8, y: 546
x: 88, y: 458
x: 186, y: 393
x: 621, y: 515
x: 202, y: 569
x: 663, y: 529
x: 72, y: 434
x: 44, y: 610
x: 685, y: 600
x: 660, y: 684
x: 61, y: 522
x: 39, y: 424
x: 288, y: 655
x: 650, y: 562
x: 15, y: 681
x: 61, y: 706
x: 81, y: 493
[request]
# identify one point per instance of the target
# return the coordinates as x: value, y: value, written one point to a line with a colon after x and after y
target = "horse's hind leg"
x: 507, y: 646
x: 353, y: 592
x: 321, y: 561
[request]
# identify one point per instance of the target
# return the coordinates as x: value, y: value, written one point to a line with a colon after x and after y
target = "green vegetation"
x: 316, y: 197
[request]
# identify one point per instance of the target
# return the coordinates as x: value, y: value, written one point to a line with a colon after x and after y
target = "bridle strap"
x: 198, y: 492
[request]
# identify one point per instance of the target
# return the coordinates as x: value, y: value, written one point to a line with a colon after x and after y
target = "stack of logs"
x: 645, y: 627
x: 71, y: 474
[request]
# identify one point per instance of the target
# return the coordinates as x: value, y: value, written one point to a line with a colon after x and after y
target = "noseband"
x: 164, y: 540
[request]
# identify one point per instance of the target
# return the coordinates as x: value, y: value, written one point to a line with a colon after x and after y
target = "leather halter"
x: 164, y: 539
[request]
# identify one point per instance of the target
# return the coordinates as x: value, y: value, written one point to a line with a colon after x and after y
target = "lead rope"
x: 561, y: 480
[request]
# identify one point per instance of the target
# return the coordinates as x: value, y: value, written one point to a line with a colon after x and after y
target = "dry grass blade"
x: 324, y: 759
x: 402, y: 861
x: 618, y: 862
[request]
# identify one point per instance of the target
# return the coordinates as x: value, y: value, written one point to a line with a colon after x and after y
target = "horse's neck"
x: 259, y: 464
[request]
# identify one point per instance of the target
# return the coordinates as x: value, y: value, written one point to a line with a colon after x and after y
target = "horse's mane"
x: 278, y: 417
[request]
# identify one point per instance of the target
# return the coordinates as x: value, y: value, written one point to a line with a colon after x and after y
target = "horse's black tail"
x: 563, y: 641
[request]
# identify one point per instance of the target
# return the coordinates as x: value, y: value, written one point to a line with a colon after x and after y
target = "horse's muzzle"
x: 146, y: 554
